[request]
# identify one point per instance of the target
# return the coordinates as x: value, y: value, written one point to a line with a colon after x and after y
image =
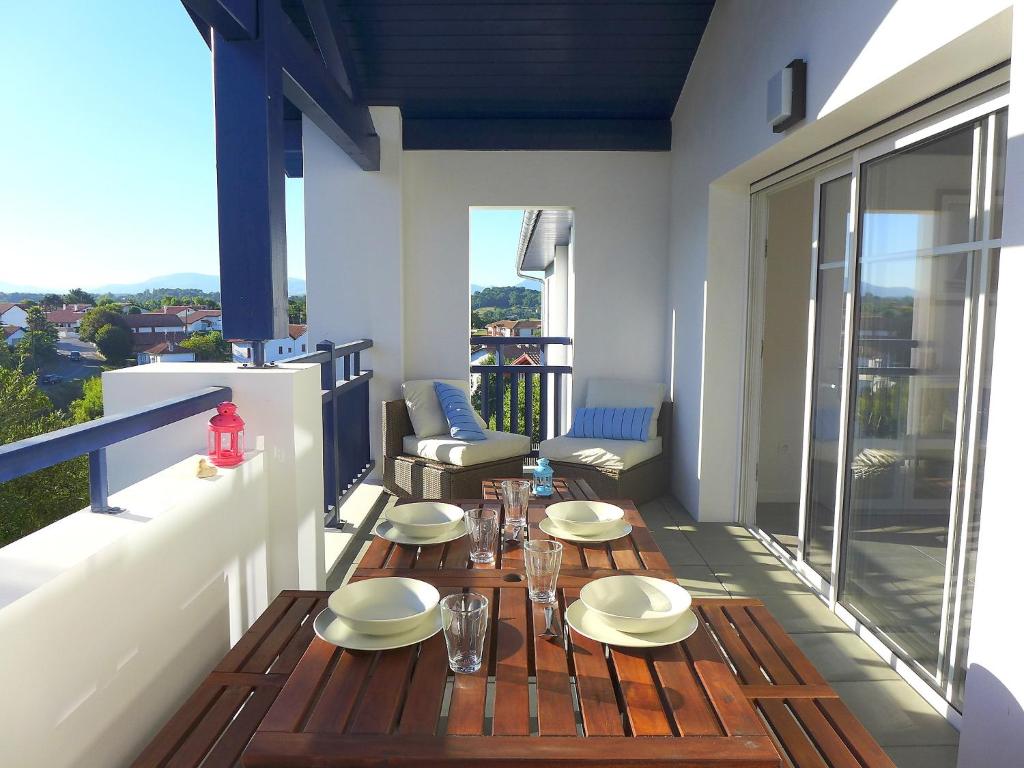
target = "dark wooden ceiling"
x: 481, y: 66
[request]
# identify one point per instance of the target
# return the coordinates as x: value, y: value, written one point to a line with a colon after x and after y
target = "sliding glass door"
x: 902, y: 255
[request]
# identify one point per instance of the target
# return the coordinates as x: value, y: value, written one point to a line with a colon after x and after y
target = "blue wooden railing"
x: 494, y: 379
x: 34, y: 453
x: 346, y: 419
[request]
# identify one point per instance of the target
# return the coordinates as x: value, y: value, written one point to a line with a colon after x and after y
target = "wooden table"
x: 737, y: 692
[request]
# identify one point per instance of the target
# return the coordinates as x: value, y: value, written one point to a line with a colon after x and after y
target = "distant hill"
x: 533, y: 285
x: 509, y: 302
x: 185, y: 280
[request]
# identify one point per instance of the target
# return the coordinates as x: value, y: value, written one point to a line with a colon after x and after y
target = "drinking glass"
x: 516, y: 495
x: 543, y: 559
x: 464, y: 621
x: 483, y: 533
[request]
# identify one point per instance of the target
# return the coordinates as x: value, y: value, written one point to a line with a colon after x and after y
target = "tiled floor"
x: 727, y: 560
x: 716, y: 559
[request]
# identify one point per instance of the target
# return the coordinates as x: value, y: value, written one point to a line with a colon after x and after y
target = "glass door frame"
x: 971, y: 109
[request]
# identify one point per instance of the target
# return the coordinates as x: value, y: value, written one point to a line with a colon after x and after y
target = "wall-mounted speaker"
x: 787, y: 96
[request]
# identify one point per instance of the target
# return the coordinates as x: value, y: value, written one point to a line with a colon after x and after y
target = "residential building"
x: 12, y: 333
x: 201, y: 320
x: 295, y: 343
x: 830, y: 293
x: 67, y: 319
x: 13, y: 314
x: 155, y: 323
x: 165, y: 352
x: 513, y: 328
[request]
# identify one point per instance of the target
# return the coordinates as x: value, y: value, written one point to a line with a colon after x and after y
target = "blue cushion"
x: 612, y: 423
x: 459, y: 413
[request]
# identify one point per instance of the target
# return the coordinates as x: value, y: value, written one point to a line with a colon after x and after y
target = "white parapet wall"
x: 282, y: 409
x: 108, y: 622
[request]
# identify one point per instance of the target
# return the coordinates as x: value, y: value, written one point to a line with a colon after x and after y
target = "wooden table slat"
x: 331, y: 710
x: 799, y: 748
x: 200, y: 739
x: 377, y: 711
x: 825, y: 738
x: 469, y: 692
x: 228, y: 748
x: 641, y: 697
x: 555, y: 714
x: 293, y: 702
x: 687, y: 702
x: 746, y: 665
x: 785, y: 646
x: 598, y: 704
x: 855, y: 734
x: 251, y: 640
x: 426, y: 690
x: 511, y: 671
x: 276, y: 640
x: 720, y: 686
x: 178, y: 727
x: 766, y: 655
x: 300, y: 641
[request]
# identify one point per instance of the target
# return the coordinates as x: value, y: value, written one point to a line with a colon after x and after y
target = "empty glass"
x: 464, y: 620
x: 483, y: 533
x: 543, y: 559
x: 516, y: 495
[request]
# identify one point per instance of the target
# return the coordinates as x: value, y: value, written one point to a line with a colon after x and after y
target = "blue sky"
x: 493, y: 239
x: 107, y: 131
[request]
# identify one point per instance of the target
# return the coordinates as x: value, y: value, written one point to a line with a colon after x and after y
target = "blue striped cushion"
x: 459, y: 413
x: 612, y: 423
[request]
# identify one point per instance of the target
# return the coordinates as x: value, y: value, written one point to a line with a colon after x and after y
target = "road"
x: 68, y: 369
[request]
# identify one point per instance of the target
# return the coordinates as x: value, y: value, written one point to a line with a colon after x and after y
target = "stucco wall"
x: 866, y: 61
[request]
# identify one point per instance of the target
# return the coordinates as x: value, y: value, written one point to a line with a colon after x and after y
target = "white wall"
x: 866, y: 61
x: 108, y: 622
x: 620, y: 246
x: 354, y: 255
x: 282, y: 411
x: 388, y: 252
x: 993, y: 725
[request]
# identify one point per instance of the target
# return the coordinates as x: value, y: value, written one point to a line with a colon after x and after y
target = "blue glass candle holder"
x: 543, y: 477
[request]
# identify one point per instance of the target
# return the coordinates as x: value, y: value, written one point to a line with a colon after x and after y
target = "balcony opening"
x: 521, y: 318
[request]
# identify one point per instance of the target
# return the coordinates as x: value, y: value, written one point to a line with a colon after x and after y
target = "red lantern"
x: 226, y: 443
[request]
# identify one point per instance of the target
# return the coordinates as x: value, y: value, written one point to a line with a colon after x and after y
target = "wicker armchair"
x: 406, y: 475
x: 641, y: 483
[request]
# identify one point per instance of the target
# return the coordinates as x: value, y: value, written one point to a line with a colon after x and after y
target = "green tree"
x: 297, y: 309
x: 529, y: 379
x: 51, y: 301
x: 39, y: 344
x: 133, y: 310
x: 35, y: 500
x: 90, y: 405
x: 78, y: 296
x: 209, y: 347
x: 7, y: 357
x: 114, y: 343
x: 96, y: 318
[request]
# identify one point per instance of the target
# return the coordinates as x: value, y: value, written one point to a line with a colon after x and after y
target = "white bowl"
x: 384, y: 606
x: 636, y: 603
x: 585, y: 518
x: 424, y: 519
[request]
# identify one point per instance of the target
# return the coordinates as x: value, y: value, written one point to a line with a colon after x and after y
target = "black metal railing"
x: 533, y: 386
x: 34, y: 453
x: 346, y: 419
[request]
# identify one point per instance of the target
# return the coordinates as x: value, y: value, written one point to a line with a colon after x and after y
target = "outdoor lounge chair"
x: 433, y: 465
x: 618, y: 469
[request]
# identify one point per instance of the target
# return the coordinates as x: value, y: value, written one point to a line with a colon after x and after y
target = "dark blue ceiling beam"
x: 249, y: 116
x: 232, y: 19
x: 310, y: 87
x: 327, y: 30
x: 611, y: 134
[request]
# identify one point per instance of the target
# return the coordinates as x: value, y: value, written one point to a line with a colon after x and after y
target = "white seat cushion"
x: 425, y: 409
x: 466, y: 453
x: 623, y: 393
x: 608, y: 454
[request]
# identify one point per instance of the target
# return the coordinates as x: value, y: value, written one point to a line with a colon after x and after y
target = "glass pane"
x: 974, y: 508
x: 919, y: 199
x: 999, y: 174
x: 827, y: 381
x: 784, y: 362
x: 904, y: 424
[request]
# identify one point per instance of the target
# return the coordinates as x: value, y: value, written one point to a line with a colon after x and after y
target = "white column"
x: 993, y: 724
x: 282, y: 411
x: 354, y: 254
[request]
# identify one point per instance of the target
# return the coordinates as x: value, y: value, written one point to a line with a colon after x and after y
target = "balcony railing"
x: 346, y: 419
x: 534, y: 386
x: 34, y: 453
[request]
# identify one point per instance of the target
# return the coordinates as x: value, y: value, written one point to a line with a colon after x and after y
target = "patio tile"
x: 923, y: 757
x: 700, y: 581
x: 678, y: 549
x: 730, y: 551
x: 801, y: 613
x: 843, y: 657
x: 757, y: 580
x: 895, y: 714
